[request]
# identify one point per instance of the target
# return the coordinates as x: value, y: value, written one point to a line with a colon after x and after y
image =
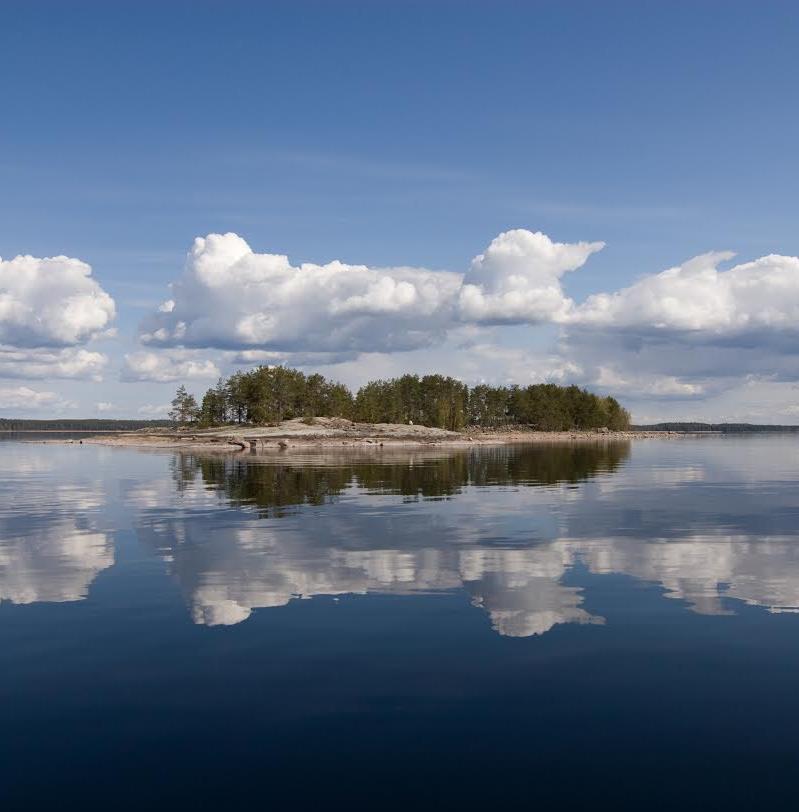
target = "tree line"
x: 77, y: 424
x: 723, y: 428
x: 270, y: 394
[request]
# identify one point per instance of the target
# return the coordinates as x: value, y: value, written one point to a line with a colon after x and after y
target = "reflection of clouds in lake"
x: 50, y: 546
x: 509, y: 546
x: 713, y: 522
x: 364, y: 534
x: 55, y: 564
x: 704, y: 569
x: 722, y: 527
x: 521, y: 589
x: 228, y: 571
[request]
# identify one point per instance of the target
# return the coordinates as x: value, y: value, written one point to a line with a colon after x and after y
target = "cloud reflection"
x: 510, y: 547
x: 50, y: 547
x: 713, y: 524
x: 704, y: 569
x: 369, y: 539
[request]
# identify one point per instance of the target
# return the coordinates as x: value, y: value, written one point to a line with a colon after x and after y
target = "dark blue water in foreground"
x: 542, y: 627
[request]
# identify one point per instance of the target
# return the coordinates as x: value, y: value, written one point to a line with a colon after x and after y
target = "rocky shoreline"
x: 337, y: 432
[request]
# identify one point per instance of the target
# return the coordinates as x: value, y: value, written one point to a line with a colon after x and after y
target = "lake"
x: 543, y: 626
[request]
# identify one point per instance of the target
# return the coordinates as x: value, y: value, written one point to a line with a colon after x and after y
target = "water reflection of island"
x: 277, y: 486
x: 229, y: 564
x: 228, y: 568
x: 509, y: 562
x: 243, y: 533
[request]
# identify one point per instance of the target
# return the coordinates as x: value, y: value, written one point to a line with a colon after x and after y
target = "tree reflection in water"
x: 364, y: 539
x: 278, y: 483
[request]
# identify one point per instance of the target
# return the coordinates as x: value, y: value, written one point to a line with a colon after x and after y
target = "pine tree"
x: 184, y: 407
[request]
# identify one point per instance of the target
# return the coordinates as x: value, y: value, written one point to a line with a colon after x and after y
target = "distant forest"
x: 723, y: 428
x: 79, y: 425
x: 270, y: 394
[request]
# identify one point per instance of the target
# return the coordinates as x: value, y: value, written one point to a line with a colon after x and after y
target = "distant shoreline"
x: 65, y: 431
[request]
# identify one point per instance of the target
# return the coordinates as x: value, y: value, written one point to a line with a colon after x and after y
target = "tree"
x: 184, y: 407
x: 269, y: 394
x: 488, y: 405
x: 618, y: 418
x: 237, y: 396
x: 338, y: 401
x: 214, y: 409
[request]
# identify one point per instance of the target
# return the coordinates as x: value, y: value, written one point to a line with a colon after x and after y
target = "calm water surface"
x: 549, y: 627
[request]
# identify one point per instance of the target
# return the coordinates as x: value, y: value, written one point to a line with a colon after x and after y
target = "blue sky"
x: 408, y: 134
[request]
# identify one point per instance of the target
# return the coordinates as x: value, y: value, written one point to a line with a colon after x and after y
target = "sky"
x: 577, y: 192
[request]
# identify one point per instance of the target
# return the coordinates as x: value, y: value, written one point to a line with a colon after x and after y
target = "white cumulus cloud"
x: 154, y: 410
x: 696, y: 297
x: 692, y: 331
x: 167, y: 367
x: 517, y: 279
x: 662, y: 387
x: 51, y: 302
x: 232, y: 298
x: 23, y: 399
x: 69, y: 362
